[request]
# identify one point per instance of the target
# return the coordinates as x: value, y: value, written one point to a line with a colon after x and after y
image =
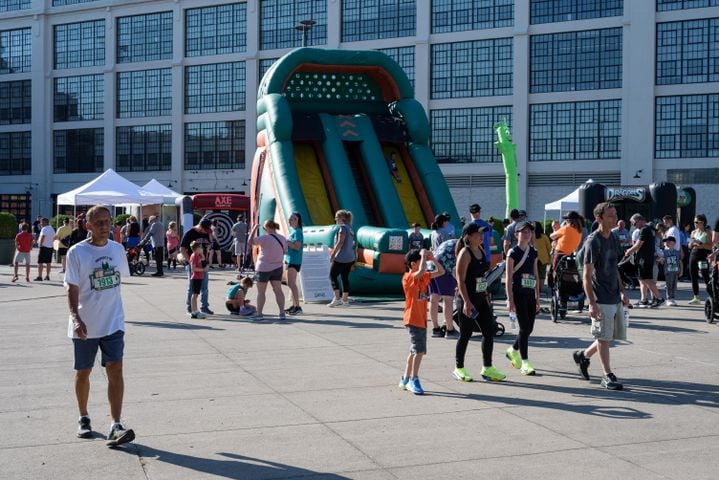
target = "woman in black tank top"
x: 475, y: 311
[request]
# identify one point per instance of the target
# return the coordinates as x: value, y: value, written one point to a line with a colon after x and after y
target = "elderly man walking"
x: 156, y: 235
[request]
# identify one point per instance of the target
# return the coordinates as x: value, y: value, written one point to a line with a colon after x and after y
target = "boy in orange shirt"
x: 415, y: 283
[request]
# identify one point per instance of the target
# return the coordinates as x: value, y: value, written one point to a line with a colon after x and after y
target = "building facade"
x: 625, y: 92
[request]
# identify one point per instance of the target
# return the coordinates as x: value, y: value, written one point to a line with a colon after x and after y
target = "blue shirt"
x: 294, y: 257
x: 487, y: 235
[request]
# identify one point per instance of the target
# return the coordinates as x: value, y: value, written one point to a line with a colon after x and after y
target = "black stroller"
x: 566, y: 285
x: 494, y: 282
x: 628, y: 272
x: 712, y: 302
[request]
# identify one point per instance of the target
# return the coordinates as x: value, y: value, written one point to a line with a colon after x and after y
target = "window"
x: 142, y: 38
x: 461, y: 15
x: 218, y: 87
x: 279, y: 17
x: 15, y: 102
x: 688, y: 52
x: 575, y: 130
x: 466, y: 135
x: 17, y: 204
x: 264, y: 65
x: 80, y: 44
x: 586, y: 60
x: 472, y: 69
x: 79, y: 98
x: 404, y: 56
x: 15, y: 153
x: 78, y: 151
x: 215, y: 145
x: 144, y: 148
x: 216, y: 30
x: 60, y: 3
x: 665, y: 5
x: 10, y: 5
x: 15, y: 51
x: 687, y: 126
x: 372, y: 19
x: 548, y: 11
x: 145, y: 93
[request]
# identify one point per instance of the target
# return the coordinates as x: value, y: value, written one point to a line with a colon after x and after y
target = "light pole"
x: 305, y: 26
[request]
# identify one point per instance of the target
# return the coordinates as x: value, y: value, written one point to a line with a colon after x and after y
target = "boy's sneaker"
x: 582, y: 363
x: 451, y: 333
x: 527, y: 368
x: 461, y: 375
x: 656, y: 302
x: 85, y: 428
x: 403, y: 383
x: 610, y: 382
x: 414, y: 386
x: 513, y: 356
x: 642, y: 304
x: 336, y: 302
x: 118, y: 435
x: 437, y: 332
x: 492, y: 374
x: 694, y: 301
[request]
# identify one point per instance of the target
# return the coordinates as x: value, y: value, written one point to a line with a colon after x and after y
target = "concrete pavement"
x: 318, y: 398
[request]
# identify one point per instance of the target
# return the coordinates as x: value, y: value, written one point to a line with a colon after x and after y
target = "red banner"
x: 221, y: 201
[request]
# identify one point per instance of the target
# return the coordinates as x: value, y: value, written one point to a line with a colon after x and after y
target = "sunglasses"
x: 697, y: 221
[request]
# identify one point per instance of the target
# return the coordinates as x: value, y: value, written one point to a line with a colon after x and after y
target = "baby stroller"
x: 712, y: 302
x: 133, y: 261
x: 565, y: 284
x: 628, y: 272
x: 494, y: 282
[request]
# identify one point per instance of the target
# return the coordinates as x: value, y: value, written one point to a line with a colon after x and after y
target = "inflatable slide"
x: 328, y: 122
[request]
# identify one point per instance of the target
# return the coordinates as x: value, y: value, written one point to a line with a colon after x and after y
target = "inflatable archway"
x: 327, y: 121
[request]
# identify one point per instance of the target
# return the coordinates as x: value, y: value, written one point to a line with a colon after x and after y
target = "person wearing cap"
x: 672, y: 259
x: 569, y: 237
x: 201, y: 234
x: 476, y: 211
x: 645, y: 248
x: 474, y: 303
x: 416, y: 239
x: 522, y: 294
x: 509, y: 239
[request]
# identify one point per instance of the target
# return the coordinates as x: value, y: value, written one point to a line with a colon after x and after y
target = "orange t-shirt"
x: 415, y: 299
x: 568, y: 240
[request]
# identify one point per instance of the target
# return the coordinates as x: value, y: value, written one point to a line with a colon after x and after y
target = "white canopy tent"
x: 156, y: 188
x: 565, y: 204
x: 109, y: 189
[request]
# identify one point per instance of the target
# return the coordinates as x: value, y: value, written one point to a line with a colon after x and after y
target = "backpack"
x: 581, y: 253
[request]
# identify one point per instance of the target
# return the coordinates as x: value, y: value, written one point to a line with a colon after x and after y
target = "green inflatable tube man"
x: 509, y: 159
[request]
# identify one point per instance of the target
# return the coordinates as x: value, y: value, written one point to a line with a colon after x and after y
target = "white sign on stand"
x: 315, y: 274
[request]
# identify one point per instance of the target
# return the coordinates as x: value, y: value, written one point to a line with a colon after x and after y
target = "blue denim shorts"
x: 111, y: 346
x: 417, y: 339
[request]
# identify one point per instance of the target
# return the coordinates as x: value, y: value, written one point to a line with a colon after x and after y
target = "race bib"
x: 105, y: 278
x: 671, y: 267
x: 528, y: 280
x: 703, y: 265
x: 481, y: 285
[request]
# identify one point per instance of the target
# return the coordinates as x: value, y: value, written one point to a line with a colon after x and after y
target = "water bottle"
x: 626, y: 318
x: 513, y: 326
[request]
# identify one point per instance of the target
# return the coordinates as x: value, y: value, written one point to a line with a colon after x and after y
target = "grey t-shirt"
x: 347, y: 252
x: 509, y: 234
x: 604, y: 254
x: 239, y: 232
x: 156, y: 233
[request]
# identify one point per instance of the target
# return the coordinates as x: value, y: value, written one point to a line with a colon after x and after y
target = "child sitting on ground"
x: 415, y: 283
x: 236, y: 302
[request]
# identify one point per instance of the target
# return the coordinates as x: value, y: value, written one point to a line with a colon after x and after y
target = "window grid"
x: 78, y: 151
x: 144, y: 148
x: 218, y: 87
x: 11, y: 5
x: 688, y: 52
x: 79, y: 44
x: 586, y: 60
x: 215, y: 145
x: 666, y: 5
x: 142, y: 38
x: 373, y: 19
x: 15, y: 102
x: 466, y: 135
x: 279, y: 17
x: 216, y: 30
x: 575, y: 131
x: 472, y: 69
x: 15, y: 51
x: 264, y: 65
x: 462, y: 15
x: 144, y: 93
x: 687, y: 126
x: 404, y: 56
x: 15, y: 153
x: 79, y: 98
x: 549, y: 11
x: 61, y: 3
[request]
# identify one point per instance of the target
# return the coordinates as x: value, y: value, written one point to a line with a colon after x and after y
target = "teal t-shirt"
x: 233, y: 290
x: 294, y: 257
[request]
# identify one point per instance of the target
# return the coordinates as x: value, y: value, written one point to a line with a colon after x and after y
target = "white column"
x: 110, y: 83
x: 40, y: 184
x: 334, y: 23
x: 422, y: 54
x: 520, y: 97
x: 178, y: 99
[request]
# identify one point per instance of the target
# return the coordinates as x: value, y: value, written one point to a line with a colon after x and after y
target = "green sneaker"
x: 492, y: 374
x: 513, y: 356
x: 461, y: 375
x: 527, y: 368
x: 694, y: 301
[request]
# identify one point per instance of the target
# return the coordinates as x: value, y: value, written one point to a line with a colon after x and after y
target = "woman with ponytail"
x: 268, y: 267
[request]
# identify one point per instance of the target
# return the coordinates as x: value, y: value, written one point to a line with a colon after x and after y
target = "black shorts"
x: 61, y: 252
x: 45, y: 255
x: 296, y: 266
x: 271, y: 276
x: 645, y: 269
x: 215, y: 246
x: 196, y: 285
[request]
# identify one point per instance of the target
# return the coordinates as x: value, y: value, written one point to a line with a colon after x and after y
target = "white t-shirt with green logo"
x: 97, y: 272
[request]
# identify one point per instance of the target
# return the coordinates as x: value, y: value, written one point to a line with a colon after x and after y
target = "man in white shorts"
x: 239, y: 240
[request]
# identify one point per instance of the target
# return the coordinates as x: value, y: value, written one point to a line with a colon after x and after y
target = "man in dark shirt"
x: 201, y: 234
x: 645, y: 247
x: 605, y: 292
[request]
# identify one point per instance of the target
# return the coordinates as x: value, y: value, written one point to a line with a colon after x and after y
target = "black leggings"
x: 486, y: 323
x: 341, y: 269
x: 698, y: 255
x: 526, y: 308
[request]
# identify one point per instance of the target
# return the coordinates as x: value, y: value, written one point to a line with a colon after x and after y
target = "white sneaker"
x: 671, y: 303
x: 344, y: 304
x: 336, y: 302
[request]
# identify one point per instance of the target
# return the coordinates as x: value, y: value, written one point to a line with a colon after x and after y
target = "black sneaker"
x: 657, y: 302
x: 85, y: 429
x: 642, y: 304
x: 118, y: 435
x: 296, y: 311
x: 451, y: 333
x: 437, y: 332
x: 582, y: 363
x: 610, y: 382
x: 207, y: 311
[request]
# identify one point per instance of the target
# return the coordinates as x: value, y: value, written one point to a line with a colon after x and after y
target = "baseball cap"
x: 471, y: 228
x: 514, y: 214
x: 474, y: 208
x: 522, y: 224
x: 522, y: 213
x: 670, y: 239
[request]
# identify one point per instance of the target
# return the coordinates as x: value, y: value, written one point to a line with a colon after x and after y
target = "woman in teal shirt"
x: 293, y: 260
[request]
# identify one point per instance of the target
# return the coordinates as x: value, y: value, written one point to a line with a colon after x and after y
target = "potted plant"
x: 8, y: 230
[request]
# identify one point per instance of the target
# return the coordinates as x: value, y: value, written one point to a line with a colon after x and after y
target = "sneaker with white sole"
x: 119, y: 435
x: 336, y: 302
x: 671, y: 303
x: 403, y: 383
x: 84, y: 429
